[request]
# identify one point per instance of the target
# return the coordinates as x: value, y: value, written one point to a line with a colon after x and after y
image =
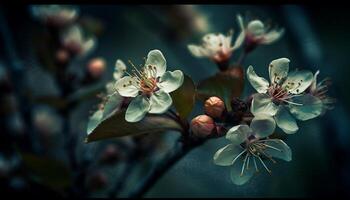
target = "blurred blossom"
x: 7, y: 164
x: 97, y: 180
x: 249, y: 145
x: 110, y: 154
x: 202, y: 126
x: 216, y: 47
x: 96, y: 67
x: 320, y: 90
x: 62, y: 56
x: 284, y: 96
x: 256, y: 33
x: 57, y: 15
x: 46, y: 120
x: 76, y: 40
x: 150, y: 87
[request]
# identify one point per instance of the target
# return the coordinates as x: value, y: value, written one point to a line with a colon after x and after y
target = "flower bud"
x: 110, y: 154
x: 202, y: 126
x: 62, y: 56
x: 214, y: 107
x: 97, y: 180
x: 96, y: 67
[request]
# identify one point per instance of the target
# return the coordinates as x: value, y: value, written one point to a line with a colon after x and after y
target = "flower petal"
x: 126, y: 87
x: 279, y: 149
x: 170, y: 81
x: 137, y: 109
x: 227, y: 155
x: 311, y: 107
x: 256, y: 27
x: 239, y: 178
x: 119, y: 69
x: 285, y: 121
x: 298, y: 81
x: 197, y: 51
x: 263, y: 125
x: 262, y: 103
x: 239, y: 40
x: 313, y: 85
x: 240, y: 22
x: 238, y: 134
x: 156, y: 59
x: 278, y: 69
x: 272, y: 36
x: 160, y: 102
x: 259, y: 83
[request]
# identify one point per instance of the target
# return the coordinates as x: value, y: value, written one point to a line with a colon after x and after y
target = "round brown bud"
x: 62, y: 56
x: 96, y: 67
x: 214, y: 107
x: 202, y: 126
x: 110, y: 155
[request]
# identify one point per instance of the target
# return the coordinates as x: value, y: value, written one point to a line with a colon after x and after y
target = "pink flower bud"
x: 97, y: 180
x: 62, y: 56
x: 96, y: 67
x: 110, y: 154
x: 202, y: 126
x: 214, y: 107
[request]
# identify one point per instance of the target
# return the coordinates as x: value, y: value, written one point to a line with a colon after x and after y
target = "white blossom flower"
x: 217, y: 47
x: 256, y: 33
x: 149, y: 86
x: 284, y: 95
x: 250, y: 145
x: 320, y: 90
x: 55, y: 14
x: 74, y: 39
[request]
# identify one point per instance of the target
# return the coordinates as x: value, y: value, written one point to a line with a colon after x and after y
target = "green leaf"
x: 115, y: 125
x: 184, y: 97
x: 48, y: 171
x: 225, y: 85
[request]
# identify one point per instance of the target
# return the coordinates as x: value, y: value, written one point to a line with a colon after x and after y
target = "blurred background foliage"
x: 315, y: 38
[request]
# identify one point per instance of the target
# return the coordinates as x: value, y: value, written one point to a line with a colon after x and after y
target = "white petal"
x: 280, y: 149
x: 272, y: 36
x: 298, y: 81
x: 239, y: 178
x: 88, y: 45
x: 160, y: 102
x: 262, y: 104
x: 238, y: 134
x: 239, y: 41
x: 278, y: 69
x: 227, y: 40
x: 226, y: 156
x: 313, y: 85
x: 170, y: 81
x: 256, y: 27
x: 263, y: 125
x: 197, y: 51
x: 260, y: 84
x: 137, y: 109
x: 286, y: 121
x: 311, y: 107
x: 240, y: 22
x: 126, y: 87
x: 119, y: 69
x: 156, y: 59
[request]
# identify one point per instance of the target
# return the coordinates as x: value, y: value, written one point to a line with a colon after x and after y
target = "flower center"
x: 146, y: 78
x: 278, y: 94
x: 148, y: 86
